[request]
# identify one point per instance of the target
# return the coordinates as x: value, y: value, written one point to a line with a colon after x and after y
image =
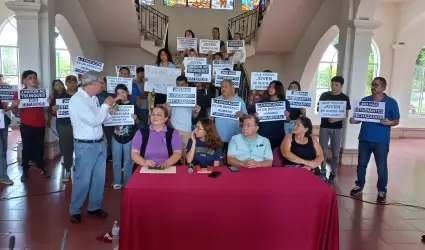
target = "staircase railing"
x: 153, y: 23
x: 248, y: 23
x: 244, y: 86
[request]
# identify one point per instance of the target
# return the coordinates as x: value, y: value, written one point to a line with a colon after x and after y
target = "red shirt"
x: 32, y: 116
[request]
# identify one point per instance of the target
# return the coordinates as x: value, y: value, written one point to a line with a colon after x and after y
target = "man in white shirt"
x: 87, y: 117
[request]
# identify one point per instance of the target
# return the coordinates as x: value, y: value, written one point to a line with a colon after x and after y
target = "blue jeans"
x: 89, y: 176
x: 3, y: 162
x: 118, y: 151
x: 380, y: 152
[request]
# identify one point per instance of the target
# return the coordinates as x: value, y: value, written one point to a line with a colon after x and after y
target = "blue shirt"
x: 135, y: 92
x: 243, y: 149
x: 204, y: 155
x: 377, y: 132
x: 227, y: 128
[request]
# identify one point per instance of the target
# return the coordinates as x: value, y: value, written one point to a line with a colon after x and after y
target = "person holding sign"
x: 142, y: 101
x: 227, y: 128
x: 249, y: 149
x: 135, y: 92
x: 204, y: 146
x: 165, y: 60
x: 237, y: 57
x: 186, y: 52
x: 33, y: 127
x: 122, y: 140
x: 331, y: 128
x: 159, y: 146
x: 87, y: 116
x: 375, y: 138
x: 295, y: 112
x: 64, y: 126
x: 274, y: 131
x: 216, y: 36
x: 107, y: 131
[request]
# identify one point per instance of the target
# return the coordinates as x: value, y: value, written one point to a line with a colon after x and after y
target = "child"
x: 122, y: 139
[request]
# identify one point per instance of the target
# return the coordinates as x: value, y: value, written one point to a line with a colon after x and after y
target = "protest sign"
x: 221, y: 65
x: 270, y: 111
x: 7, y: 92
x: 299, y: 99
x: 225, y: 109
x: 194, y: 61
x: 121, y: 117
x: 332, y: 109
x: 369, y: 111
x: 132, y: 68
x: 63, y: 108
x: 186, y: 43
x: 234, y: 76
x: 261, y: 80
x: 205, y: 46
x: 181, y: 96
x: 33, y: 98
x: 82, y: 65
x: 235, y: 46
x: 159, y: 78
x: 2, y: 125
x: 198, y: 73
x: 113, y: 81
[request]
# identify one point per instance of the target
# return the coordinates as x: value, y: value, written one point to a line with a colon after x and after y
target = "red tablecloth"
x: 255, y: 209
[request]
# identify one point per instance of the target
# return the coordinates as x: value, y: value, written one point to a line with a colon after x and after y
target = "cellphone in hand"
x: 214, y: 174
x: 233, y: 169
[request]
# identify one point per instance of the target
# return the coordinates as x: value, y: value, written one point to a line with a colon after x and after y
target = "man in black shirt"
x: 331, y: 128
x: 203, y: 100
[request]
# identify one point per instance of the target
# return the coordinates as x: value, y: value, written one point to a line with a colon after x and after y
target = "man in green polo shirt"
x: 249, y: 149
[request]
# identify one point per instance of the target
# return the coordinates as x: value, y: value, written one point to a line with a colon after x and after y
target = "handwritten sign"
x: 369, y: 111
x: 121, y: 117
x: 7, y: 92
x: 33, y: 98
x: 205, y: 46
x: 270, y: 111
x: 225, y: 109
x: 113, y: 81
x: 221, y: 65
x: 261, y: 80
x: 82, y: 65
x: 159, y: 78
x: 198, y: 73
x: 132, y: 68
x: 299, y: 99
x: 63, y: 111
x: 332, y: 109
x: 186, y: 43
x: 235, y: 46
x: 181, y: 96
x: 234, y: 76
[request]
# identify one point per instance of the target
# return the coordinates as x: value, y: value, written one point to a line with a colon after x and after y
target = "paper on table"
x: 169, y: 170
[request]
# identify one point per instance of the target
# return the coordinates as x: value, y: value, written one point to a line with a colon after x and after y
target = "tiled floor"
x: 38, y: 221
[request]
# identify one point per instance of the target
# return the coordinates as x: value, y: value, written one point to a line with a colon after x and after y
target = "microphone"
x: 11, y: 242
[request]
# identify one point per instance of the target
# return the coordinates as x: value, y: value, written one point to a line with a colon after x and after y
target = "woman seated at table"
x: 301, y: 149
x: 159, y: 146
x: 204, y: 147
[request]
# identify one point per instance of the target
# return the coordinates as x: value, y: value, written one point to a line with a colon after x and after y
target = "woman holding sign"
x: 165, y: 60
x: 295, y: 112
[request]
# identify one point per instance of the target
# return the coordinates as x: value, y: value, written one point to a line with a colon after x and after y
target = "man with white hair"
x: 87, y: 117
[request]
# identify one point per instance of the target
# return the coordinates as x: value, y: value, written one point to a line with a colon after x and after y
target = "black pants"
x: 32, y: 145
x: 225, y: 149
x: 66, y: 141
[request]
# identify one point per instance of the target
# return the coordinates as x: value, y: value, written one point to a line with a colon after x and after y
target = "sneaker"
x: 25, y: 175
x: 44, y: 173
x: 66, y: 176
x: 117, y: 186
x: 382, y: 197
x: 331, y: 177
x: 7, y: 182
x: 356, y: 191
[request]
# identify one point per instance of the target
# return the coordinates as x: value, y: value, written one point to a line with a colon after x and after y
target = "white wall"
x: 5, y: 13
x: 123, y: 55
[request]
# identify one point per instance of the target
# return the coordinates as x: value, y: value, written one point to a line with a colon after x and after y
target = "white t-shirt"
x: 181, y: 118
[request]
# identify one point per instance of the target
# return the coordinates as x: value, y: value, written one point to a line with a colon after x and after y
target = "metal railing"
x: 153, y: 23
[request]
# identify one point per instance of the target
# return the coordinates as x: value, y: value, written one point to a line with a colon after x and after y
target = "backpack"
x: 145, y: 139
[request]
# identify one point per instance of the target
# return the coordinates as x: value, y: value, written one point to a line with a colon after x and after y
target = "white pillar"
x: 397, y: 90
x: 354, y: 69
x: 36, y: 41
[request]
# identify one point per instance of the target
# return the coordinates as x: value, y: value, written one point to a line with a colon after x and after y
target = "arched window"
x: 9, y: 60
x: 63, y: 58
x: 328, y: 67
x: 417, y: 101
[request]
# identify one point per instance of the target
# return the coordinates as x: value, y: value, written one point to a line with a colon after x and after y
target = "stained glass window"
x: 251, y: 4
x: 147, y: 2
x: 222, y: 4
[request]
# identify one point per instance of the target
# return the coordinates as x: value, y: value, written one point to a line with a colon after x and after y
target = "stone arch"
x: 365, y: 9
x: 69, y: 37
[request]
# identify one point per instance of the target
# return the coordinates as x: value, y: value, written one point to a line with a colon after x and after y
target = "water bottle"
x: 115, y: 236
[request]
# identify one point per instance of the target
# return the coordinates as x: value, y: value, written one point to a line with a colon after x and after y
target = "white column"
x: 397, y: 90
x: 36, y: 41
x: 354, y: 69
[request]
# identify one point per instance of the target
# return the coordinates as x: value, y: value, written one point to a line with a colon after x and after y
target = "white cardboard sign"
x: 205, y: 46
x: 121, y: 117
x: 181, y: 96
x: 82, y: 65
x: 332, y: 109
x: 113, y: 81
x: 225, y: 109
x: 234, y: 76
x: 160, y: 78
x: 132, y: 68
x: 270, y: 111
x: 33, y: 98
x: 235, y: 46
x: 63, y: 111
x: 299, y: 99
x: 198, y: 73
x: 7, y: 92
x: 221, y: 65
x: 186, y: 43
x: 369, y: 111
x: 261, y: 80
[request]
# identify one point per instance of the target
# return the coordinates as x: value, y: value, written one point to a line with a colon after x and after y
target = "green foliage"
x: 9, y: 57
x: 420, y: 60
x: 63, y: 64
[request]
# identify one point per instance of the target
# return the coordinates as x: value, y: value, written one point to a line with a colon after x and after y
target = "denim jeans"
x: 334, y: 135
x: 118, y: 151
x: 89, y: 176
x: 66, y: 141
x: 3, y: 162
x: 380, y: 152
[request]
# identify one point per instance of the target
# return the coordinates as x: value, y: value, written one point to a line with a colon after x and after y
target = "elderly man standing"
x: 87, y: 117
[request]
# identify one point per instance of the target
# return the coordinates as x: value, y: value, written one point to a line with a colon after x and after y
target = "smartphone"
x: 234, y: 169
x: 214, y: 174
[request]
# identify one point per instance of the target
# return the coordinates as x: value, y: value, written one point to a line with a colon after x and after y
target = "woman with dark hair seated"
x: 301, y: 149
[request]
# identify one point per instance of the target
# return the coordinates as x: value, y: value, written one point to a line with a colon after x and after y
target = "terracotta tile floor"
x: 38, y: 222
